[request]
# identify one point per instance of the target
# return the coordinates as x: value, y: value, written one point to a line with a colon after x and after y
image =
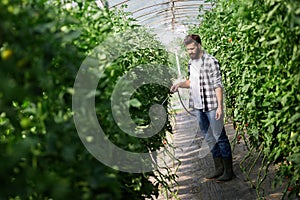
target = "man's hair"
x: 192, y: 38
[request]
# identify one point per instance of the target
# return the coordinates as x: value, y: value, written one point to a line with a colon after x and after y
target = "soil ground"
x: 196, y: 163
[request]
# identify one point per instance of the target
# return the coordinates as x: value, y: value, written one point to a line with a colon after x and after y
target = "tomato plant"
x: 257, y: 45
x: 42, y: 47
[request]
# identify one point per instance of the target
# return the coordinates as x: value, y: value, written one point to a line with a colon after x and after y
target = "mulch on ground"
x: 196, y: 164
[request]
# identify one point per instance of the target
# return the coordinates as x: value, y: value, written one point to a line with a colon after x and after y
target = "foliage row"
x: 257, y: 44
x: 43, y: 44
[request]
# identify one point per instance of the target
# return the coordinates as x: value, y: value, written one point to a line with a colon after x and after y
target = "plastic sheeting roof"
x: 169, y: 19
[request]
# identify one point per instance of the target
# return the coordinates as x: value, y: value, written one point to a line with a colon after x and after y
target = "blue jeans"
x: 214, y: 133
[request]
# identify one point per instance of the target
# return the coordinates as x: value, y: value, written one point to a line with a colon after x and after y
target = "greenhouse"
x: 170, y: 18
x: 161, y: 99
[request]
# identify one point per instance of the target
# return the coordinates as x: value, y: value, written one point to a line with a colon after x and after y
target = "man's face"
x: 194, y: 50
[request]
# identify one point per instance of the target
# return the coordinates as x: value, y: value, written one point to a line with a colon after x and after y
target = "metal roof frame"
x: 168, y: 15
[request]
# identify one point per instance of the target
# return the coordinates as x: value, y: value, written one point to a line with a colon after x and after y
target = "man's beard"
x: 196, y: 55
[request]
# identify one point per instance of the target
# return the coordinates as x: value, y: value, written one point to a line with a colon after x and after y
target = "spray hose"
x: 180, y: 99
x: 184, y: 105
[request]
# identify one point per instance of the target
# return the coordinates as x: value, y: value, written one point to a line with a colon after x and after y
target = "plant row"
x: 43, y: 44
x: 257, y: 44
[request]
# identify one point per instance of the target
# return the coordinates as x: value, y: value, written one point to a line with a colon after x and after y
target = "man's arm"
x: 218, y: 86
x: 184, y: 84
x: 219, y: 94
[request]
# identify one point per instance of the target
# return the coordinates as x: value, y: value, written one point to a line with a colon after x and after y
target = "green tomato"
x: 25, y: 123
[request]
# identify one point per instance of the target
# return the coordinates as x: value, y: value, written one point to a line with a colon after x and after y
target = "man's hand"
x: 184, y: 84
x: 174, y: 88
x: 219, y: 113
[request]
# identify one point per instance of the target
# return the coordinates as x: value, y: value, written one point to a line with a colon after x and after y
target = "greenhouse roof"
x: 167, y: 18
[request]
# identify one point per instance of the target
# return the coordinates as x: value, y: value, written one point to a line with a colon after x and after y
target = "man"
x: 205, y: 83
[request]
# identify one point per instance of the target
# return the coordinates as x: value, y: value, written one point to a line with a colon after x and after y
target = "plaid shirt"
x: 210, y: 79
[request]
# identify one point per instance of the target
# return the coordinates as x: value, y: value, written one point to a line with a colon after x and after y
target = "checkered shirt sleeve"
x: 210, y: 79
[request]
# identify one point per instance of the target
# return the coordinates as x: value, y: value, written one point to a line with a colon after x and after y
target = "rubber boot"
x: 228, y: 171
x: 218, y: 168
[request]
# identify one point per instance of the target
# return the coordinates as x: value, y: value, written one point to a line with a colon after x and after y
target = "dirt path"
x: 197, y: 163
